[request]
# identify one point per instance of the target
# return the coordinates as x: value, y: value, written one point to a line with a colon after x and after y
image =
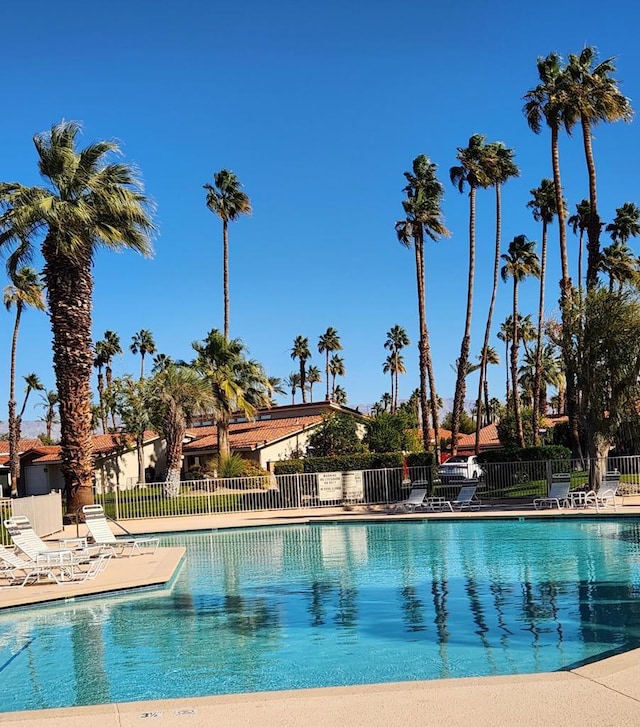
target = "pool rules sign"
x: 336, y: 486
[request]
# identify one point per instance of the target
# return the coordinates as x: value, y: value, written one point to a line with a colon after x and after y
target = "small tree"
x: 338, y: 434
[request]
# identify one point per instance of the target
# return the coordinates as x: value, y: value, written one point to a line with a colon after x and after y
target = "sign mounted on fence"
x: 353, y: 486
x: 329, y: 486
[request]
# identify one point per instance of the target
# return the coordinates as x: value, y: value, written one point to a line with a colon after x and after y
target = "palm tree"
x: 500, y: 167
x: 549, y: 100
x: 389, y: 367
x: 492, y: 358
x: 543, y: 208
x: 423, y: 210
x: 521, y: 262
x: 131, y: 399
x: 550, y: 368
x: 595, y: 96
x: 226, y: 199
x: 160, y: 362
x: 473, y: 172
x: 504, y: 334
x: 87, y: 203
x: 336, y: 368
x: 626, y: 223
x: 619, y: 262
x: 293, y: 382
x: 397, y: 339
x: 301, y: 351
x: 313, y: 377
x: 143, y: 343
x: 276, y: 386
x: 49, y: 403
x: 579, y: 224
x: 110, y: 347
x: 99, y: 361
x: 25, y: 291
x: 340, y: 395
x: 328, y: 343
x: 238, y: 384
x: 176, y: 394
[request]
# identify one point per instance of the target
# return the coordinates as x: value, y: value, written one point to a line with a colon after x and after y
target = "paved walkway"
x: 603, y: 694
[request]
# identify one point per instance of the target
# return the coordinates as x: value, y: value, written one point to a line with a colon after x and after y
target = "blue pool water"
x: 322, y: 605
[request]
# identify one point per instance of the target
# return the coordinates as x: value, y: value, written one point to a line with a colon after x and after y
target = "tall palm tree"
x: 25, y: 291
x: 492, y: 358
x: 226, y: 199
x: 499, y: 166
x: 579, y: 224
x: 626, y: 223
x: 276, y: 384
x: 504, y: 334
x: 543, y: 207
x: 595, y: 96
x: 293, y: 382
x: 340, y: 395
x: 238, y: 384
x: 551, y: 374
x: 301, y: 351
x: 423, y: 210
x: 550, y: 101
x: 49, y: 403
x: 397, y: 339
x: 110, y: 347
x: 473, y: 171
x: 142, y: 343
x: 336, y: 368
x: 313, y: 377
x: 620, y: 264
x: 87, y: 203
x: 328, y: 343
x: 389, y: 367
x: 521, y: 262
x: 175, y: 395
x: 99, y: 361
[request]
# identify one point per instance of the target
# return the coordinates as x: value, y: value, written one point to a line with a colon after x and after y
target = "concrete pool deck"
x: 603, y: 693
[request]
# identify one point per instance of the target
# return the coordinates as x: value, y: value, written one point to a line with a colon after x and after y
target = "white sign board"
x: 353, y: 485
x: 329, y: 486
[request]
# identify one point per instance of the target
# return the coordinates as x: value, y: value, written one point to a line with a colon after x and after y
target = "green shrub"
x: 350, y: 462
x: 289, y: 467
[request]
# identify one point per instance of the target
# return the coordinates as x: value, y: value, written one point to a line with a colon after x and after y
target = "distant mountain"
x: 31, y: 430
x: 447, y: 406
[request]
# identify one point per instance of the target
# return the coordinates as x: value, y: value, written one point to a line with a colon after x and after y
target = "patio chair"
x: 101, y: 534
x: 605, y: 496
x: 27, y: 541
x: 55, y: 566
x: 466, y: 498
x: 558, y: 494
x: 415, y: 499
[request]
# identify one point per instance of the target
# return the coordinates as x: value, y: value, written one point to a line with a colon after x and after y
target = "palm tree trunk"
x: 461, y: 379
x: 506, y: 362
x: 225, y: 275
x: 537, y: 381
x: 141, y: 365
x: 303, y: 380
x: 14, y: 427
x: 326, y: 372
x: 487, y: 330
x: 568, y: 353
x: 140, y: 455
x: 593, y: 228
x: 69, y: 289
x: 224, y: 449
x: 514, y: 368
x: 426, y: 365
x: 174, y: 431
x: 103, y: 415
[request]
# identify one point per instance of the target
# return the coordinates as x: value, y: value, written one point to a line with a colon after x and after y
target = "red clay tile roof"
x: 249, y: 435
x: 488, y: 439
x: 102, y: 444
x: 23, y: 445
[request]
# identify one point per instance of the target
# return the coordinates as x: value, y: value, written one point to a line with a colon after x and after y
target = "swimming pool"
x: 338, y: 604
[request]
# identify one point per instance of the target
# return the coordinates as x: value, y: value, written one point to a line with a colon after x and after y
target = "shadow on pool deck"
x: 599, y: 694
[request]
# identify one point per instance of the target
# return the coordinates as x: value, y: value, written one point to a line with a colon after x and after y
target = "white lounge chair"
x: 54, y: 566
x: 101, y: 534
x: 605, y: 496
x: 465, y: 499
x: 27, y: 541
x: 415, y: 499
x: 558, y: 495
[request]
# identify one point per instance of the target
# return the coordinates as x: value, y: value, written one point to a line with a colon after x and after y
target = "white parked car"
x: 460, y: 467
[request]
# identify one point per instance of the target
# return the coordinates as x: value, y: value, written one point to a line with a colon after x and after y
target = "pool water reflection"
x: 320, y: 605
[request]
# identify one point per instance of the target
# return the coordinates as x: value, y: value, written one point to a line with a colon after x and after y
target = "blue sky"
x: 319, y: 109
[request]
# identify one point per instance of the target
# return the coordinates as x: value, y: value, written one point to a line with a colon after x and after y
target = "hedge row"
x: 527, y: 454
x: 349, y: 462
